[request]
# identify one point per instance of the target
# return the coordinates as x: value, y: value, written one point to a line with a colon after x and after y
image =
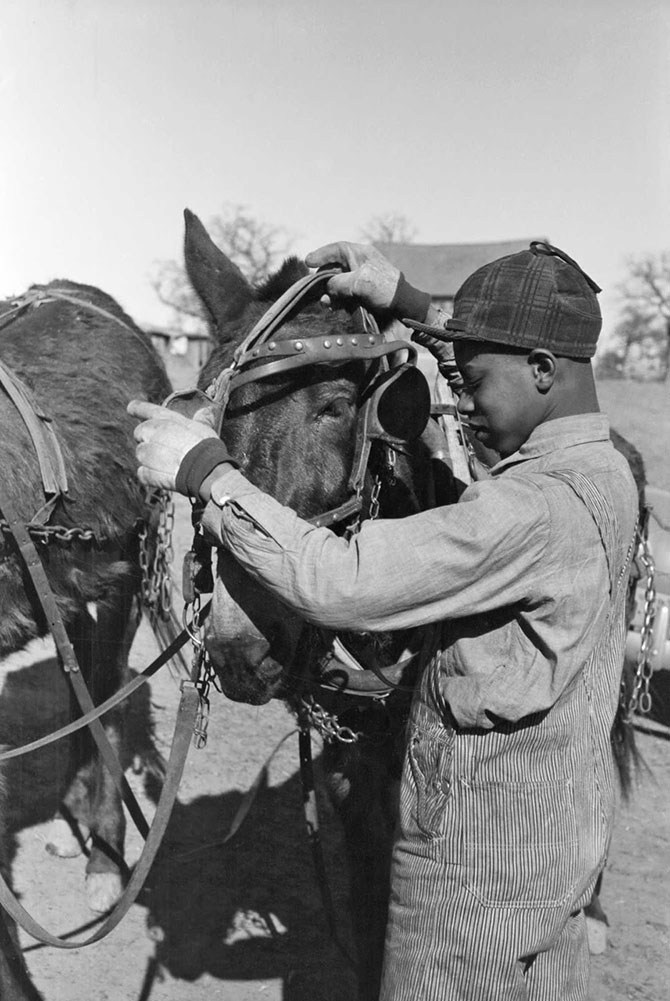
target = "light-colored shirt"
x: 515, y: 570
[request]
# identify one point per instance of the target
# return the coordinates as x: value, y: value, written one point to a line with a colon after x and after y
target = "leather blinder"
x: 396, y: 409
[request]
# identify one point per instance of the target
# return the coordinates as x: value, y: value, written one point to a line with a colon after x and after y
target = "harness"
x: 54, y: 482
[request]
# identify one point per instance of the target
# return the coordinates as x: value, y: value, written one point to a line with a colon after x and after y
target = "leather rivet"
x: 272, y: 345
x: 298, y: 345
x: 354, y: 341
x: 326, y: 344
x: 339, y: 342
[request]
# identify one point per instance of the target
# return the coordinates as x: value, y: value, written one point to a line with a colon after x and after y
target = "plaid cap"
x: 539, y: 298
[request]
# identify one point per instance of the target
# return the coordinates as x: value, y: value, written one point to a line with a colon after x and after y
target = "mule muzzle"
x: 246, y: 671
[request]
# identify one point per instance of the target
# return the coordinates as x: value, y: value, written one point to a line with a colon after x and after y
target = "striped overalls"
x: 503, y: 832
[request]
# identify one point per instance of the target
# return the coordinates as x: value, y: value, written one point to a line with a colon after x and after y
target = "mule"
x: 80, y: 359
x: 294, y: 435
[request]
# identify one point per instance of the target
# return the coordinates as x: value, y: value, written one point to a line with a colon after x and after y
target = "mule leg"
x: 116, y: 627
x: 65, y: 839
x: 102, y: 646
x: 15, y: 983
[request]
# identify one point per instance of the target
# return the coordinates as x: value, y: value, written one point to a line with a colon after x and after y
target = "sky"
x: 478, y: 120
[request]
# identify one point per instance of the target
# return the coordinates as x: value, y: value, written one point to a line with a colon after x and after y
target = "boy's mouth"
x: 475, y: 427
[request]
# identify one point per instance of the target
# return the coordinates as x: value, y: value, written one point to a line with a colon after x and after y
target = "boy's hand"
x: 370, y: 279
x: 164, y: 439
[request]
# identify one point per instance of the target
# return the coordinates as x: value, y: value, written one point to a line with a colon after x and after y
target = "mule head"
x: 293, y: 435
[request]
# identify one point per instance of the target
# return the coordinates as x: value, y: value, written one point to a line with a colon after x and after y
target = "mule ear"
x: 219, y: 283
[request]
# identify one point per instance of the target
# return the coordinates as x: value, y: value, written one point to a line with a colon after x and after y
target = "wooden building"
x: 183, y: 354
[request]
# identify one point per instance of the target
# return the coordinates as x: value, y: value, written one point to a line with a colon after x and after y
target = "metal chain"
x: 202, y: 671
x: 164, y: 553
x: 373, y: 509
x: 58, y: 533
x: 640, y: 697
x: 390, y: 466
x: 156, y: 574
x: 326, y: 724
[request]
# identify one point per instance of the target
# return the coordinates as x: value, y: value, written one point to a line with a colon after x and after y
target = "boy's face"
x: 500, y: 397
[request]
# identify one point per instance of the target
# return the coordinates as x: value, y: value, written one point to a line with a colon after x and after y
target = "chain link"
x: 155, y: 566
x: 202, y: 672
x: 640, y: 697
x: 390, y: 467
x: 204, y: 675
x: 57, y: 533
x: 327, y: 724
x: 373, y: 509
x: 192, y: 624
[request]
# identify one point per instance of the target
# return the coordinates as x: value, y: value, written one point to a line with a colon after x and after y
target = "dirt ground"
x: 243, y: 920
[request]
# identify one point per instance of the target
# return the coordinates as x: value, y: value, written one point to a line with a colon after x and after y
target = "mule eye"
x: 336, y: 409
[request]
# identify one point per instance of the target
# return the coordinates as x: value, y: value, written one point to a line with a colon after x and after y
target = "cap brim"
x: 439, y: 333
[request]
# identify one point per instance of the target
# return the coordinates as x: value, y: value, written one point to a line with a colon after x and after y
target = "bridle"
x: 261, y: 355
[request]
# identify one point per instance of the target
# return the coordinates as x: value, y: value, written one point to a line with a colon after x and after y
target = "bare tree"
x: 390, y: 227
x: 255, y: 246
x: 646, y: 306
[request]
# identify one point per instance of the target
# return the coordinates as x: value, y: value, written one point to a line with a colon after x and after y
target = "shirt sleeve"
x: 450, y: 562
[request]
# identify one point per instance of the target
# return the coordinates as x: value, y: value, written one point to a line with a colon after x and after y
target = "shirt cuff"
x: 236, y: 504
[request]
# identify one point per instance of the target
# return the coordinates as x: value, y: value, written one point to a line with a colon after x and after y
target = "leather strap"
x: 72, y: 297
x: 342, y: 672
x: 301, y: 292
x: 68, y: 656
x: 301, y: 352
x: 111, y: 702
x: 186, y: 716
x: 49, y: 455
x: 311, y: 814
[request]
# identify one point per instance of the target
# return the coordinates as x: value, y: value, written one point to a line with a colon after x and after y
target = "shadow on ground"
x: 249, y: 908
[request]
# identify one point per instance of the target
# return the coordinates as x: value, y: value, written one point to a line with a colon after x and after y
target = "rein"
x: 184, y: 728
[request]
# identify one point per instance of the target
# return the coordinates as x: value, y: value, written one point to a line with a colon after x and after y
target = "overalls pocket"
x: 520, y: 843
x: 426, y: 783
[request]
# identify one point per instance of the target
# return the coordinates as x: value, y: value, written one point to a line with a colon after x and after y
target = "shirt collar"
x: 563, y: 432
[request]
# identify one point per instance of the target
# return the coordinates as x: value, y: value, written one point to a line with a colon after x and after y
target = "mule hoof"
x: 103, y: 889
x: 597, y: 936
x: 61, y: 840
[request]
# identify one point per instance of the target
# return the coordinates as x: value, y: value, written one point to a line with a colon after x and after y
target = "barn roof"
x: 441, y: 268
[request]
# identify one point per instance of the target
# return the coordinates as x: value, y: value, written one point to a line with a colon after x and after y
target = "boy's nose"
x: 465, y: 404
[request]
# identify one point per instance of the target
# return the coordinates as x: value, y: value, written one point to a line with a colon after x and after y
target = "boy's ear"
x: 543, y: 365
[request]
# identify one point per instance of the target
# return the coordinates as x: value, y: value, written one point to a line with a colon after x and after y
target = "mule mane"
x: 228, y: 336
x: 291, y: 271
